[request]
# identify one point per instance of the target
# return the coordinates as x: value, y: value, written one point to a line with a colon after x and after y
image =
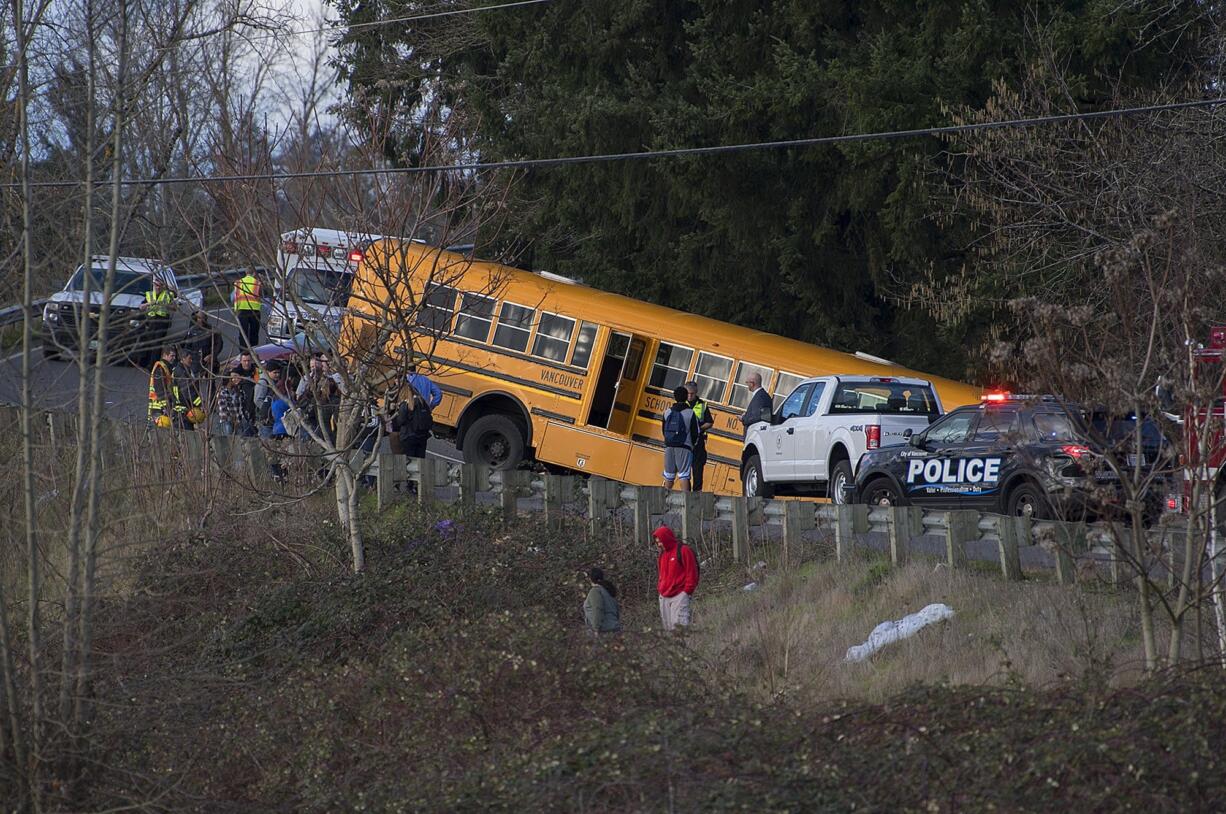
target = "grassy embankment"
x: 250, y: 671
x: 242, y: 667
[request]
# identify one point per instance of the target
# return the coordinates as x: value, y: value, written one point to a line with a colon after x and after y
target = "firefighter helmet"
x: 164, y: 422
x: 195, y: 415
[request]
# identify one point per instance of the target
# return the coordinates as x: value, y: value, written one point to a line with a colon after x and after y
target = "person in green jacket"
x: 600, y: 610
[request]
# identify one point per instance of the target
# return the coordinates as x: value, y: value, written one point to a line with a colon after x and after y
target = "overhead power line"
x: 680, y: 152
x: 414, y: 18
x: 372, y: 24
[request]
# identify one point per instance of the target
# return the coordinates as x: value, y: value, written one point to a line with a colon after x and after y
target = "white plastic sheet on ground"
x: 890, y: 632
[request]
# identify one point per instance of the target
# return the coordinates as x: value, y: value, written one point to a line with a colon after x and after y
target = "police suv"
x: 1026, y: 456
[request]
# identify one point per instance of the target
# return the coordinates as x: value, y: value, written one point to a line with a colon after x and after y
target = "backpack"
x: 676, y: 433
x: 681, y: 549
x: 421, y: 421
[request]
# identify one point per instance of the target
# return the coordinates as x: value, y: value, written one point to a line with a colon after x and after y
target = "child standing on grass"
x: 600, y: 610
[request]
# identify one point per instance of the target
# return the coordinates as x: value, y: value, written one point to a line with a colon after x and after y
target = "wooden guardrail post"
x: 558, y: 488
x: 850, y: 520
x: 740, y: 529
x: 508, y: 494
x: 648, y: 501
x: 1011, y: 532
x: 1068, y: 537
x: 427, y: 479
x: 385, y: 478
x: 468, y: 484
x: 903, y: 523
x: 961, y: 527
x: 695, y: 506
x: 602, y: 497
x: 798, y: 517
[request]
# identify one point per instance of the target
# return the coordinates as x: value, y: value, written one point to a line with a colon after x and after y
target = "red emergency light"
x: 1075, y: 450
x: 355, y: 256
x: 994, y: 397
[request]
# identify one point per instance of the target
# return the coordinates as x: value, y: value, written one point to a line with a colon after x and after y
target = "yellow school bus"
x: 535, y: 367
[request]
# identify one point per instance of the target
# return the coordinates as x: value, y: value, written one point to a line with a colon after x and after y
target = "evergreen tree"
x: 815, y: 243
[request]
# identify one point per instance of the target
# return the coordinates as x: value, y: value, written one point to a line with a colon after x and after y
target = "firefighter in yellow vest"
x: 163, y: 394
x: 158, y: 303
x: 247, y: 308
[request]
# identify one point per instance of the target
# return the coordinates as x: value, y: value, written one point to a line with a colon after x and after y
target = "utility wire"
x: 562, y: 161
x: 412, y: 19
x: 372, y: 24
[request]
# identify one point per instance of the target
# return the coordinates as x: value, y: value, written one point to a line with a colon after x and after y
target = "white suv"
x: 814, y: 441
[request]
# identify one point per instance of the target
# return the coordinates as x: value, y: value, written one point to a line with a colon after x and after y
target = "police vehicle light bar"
x: 994, y: 397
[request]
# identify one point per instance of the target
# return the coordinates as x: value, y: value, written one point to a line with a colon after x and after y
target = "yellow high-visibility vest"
x: 159, y: 303
x: 156, y: 404
x: 247, y: 294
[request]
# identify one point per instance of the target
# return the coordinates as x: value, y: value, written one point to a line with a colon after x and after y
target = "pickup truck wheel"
x: 1028, y: 500
x: 883, y: 493
x: 840, y: 480
x: 752, y: 483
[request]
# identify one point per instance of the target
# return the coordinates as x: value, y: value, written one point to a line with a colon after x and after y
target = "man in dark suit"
x: 761, y: 405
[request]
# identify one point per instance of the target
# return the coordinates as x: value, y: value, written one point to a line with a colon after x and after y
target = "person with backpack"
x: 412, y: 423
x: 680, y: 436
x: 600, y: 610
x: 677, y: 567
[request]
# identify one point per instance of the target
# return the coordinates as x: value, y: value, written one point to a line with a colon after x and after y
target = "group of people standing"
x: 686, y: 424
x: 180, y: 378
x: 677, y: 575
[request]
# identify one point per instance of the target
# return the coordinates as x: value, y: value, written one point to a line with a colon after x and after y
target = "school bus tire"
x: 495, y: 440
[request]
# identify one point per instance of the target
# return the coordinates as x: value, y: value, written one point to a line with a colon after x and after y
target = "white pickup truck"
x: 814, y: 440
x: 131, y: 334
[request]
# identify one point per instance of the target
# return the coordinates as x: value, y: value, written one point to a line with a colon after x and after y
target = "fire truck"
x: 314, y: 273
x: 1204, y: 442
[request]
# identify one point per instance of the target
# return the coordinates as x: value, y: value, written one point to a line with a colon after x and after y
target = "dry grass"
x: 792, y: 633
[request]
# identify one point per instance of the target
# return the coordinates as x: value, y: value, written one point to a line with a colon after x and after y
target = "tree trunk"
x: 34, y: 583
x: 347, y: 513
x: 1145, y: 605
x: 81, y: 712
x: 84, y: 425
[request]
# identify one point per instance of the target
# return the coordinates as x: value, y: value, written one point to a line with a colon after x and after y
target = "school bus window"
x: 786, y: 384
x: 553, y: 337
x: 514, y: 326
x: 475, y: 317
x: 711, y: 374
x: 583, y: 345
x: 740, y: 393
x: 671, y: 367
x: 437, y: 307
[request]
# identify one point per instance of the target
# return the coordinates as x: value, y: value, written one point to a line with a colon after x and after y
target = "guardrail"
x: 791, y: 529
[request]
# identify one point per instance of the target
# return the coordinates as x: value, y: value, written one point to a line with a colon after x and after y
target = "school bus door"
x: 619, y: 382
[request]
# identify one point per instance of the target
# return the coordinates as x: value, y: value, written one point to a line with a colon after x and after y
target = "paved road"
x: 125, y: 388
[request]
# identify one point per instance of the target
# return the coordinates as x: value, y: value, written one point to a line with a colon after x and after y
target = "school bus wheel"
x: 496, y: 441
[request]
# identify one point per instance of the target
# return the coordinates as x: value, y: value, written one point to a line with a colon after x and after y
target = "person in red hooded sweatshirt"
x: 678, y: 568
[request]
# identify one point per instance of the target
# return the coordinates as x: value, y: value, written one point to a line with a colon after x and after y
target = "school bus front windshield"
x: 535, y: 368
